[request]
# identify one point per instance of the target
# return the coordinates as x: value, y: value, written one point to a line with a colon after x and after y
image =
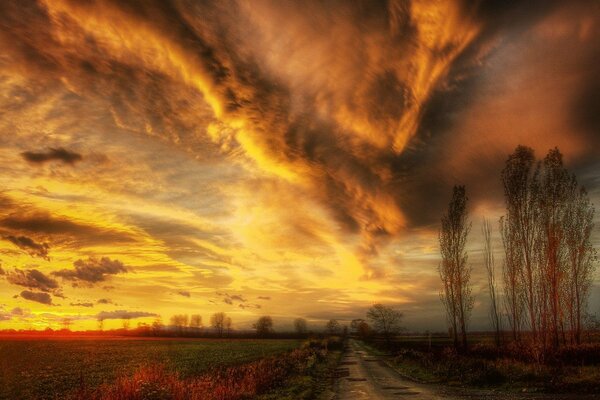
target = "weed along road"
x: 365, y: 376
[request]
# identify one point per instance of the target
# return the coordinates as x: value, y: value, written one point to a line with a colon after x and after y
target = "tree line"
x: 548, y: 262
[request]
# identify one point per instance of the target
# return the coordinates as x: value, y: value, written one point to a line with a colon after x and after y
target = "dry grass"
x: 154, y: 382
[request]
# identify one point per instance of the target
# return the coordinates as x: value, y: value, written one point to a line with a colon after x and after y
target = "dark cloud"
x: 2, y: 272
x: 184, y: 293
x: 264, y: 297
x: 30, y: 246
x: 123, y: 314
x: 17, y: 311
x: 58, y: 154
x: 63, y: 230
x: 39, y: 297
x: 92, y: 270
x: 231, y: 299
x: 32, y: 279
x: 104, y: 301
x: 82, y: 304
x: 249, y: 306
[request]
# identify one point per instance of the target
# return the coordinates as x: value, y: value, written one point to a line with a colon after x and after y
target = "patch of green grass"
x: 314, y: 383
x: 47, y: 369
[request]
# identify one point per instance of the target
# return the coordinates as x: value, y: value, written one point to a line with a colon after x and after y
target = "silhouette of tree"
x: 333, y: 327
x: 300, y: 326
x: 490, y: 268
x: 264, y: 326
x: 546, y: 233
x: 180, y: 322
x: 454, y: 271
x: 221, y: 323
x: 385, y: 320
x: 196, y: 322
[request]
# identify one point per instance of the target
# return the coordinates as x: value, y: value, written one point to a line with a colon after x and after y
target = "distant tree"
x: 196, y: 322
x: 354, y: 324
x: 100, y: 324
x: 220, y: 322
x: 66, y: 323
x: 180, y: 322
x: 228, y: 325
x: 157, y: 326
x: 300, y: 326
x: 490, y: 268
x: 454, y: 271
x: 385, y: 320
x: 333, y: 327
x: 264, y: 326
x: 126, y: 323
x: 363, y: 330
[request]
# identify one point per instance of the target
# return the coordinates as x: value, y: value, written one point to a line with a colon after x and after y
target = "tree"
x: 519, y: 225
x: 228, y: 325
x: 157, y: 326
x: 385, y: 320
x: 363, y: 330
x: 511, y: 276
x: 220, y: 322
x: 333, y: 327
x: 264, y: 326
x: 196, y: 322
x: 300, y: 326
x: 454, y: 271
x: 490, y: 268
x: 180, y: 322
x: 582, y: 259
x: 354, y: 324
x: 549, y: 258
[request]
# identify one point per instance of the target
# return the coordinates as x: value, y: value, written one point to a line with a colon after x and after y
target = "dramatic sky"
x: 290, y: 158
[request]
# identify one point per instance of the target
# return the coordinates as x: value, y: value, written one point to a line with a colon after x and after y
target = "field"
x: 48, y: 369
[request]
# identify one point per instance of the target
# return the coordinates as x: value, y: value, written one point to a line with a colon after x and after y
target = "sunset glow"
x: 271, y: 157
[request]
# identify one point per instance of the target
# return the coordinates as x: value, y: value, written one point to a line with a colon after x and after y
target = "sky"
x: 283, y: 158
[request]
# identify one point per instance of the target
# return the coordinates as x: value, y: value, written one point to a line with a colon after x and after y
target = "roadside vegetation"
x: 542, y: 336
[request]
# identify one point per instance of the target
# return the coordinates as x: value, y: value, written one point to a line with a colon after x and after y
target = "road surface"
x: 364, y: 376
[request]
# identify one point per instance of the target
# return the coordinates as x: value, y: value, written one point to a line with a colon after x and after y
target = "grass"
x: 48, y: 369
x: 574, y: 369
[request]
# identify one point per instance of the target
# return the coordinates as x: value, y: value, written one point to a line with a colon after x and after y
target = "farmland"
x: 53, y: 368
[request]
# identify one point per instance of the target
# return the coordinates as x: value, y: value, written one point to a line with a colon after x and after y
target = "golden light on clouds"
x: 298, y: 168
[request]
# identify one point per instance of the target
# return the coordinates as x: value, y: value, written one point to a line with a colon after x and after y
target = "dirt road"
x: 364, y: 376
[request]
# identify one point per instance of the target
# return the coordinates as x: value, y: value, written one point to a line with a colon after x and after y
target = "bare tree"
x: 546, y: 234
x: 454, y: 271
x: 157, y: 326
x: 520, y: 229
x: 219, y: 322
x: 300, y: 326
x: 196, y: 322
x: 264, y: 326
x: 228, y: 325
x: 363, y: 330
x: 582, y: 260
x: 513, y: 284
x: 333, y: 327
x: 385, y: 320
x: 490, y: 268
x: 180, y: 322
